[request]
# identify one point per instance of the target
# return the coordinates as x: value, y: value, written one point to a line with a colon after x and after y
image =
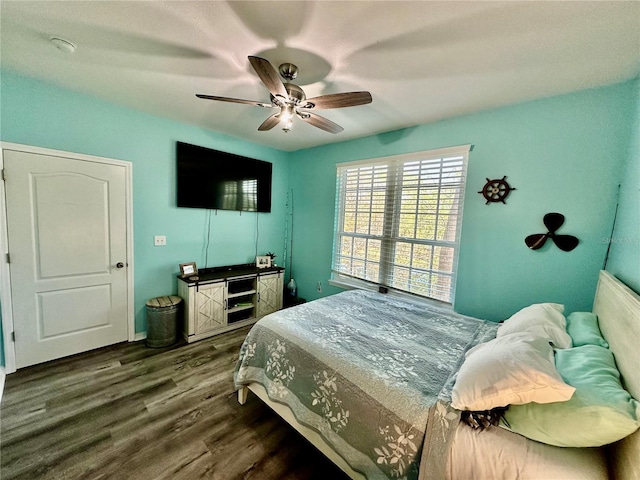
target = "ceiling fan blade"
x: 339, y: 100
x: 565, y: 242
x: 233, y: 100
x: 321, y: 122
x: 536, y: 241
x: 269, y: 76
x: 270, y: 122
x: 553, y: 221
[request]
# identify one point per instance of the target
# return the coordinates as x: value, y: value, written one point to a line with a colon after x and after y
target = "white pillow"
x: 511, y: 369
x: 543, y: 319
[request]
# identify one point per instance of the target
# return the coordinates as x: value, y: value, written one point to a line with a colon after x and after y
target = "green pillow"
x: 599, y: 412
x: 583, y: 329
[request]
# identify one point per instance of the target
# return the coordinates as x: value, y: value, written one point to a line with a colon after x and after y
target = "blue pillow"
x: 599, y: 412
x: 583, y: 329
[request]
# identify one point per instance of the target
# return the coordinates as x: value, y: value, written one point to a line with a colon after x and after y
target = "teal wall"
x: 43, y: 115
x: 624, y: 257
x: 563, y: 154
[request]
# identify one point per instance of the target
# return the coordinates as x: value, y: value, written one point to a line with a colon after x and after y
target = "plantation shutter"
x: 398, y: 221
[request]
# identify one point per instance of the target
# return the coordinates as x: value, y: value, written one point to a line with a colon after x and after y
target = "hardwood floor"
x: 128, y: 411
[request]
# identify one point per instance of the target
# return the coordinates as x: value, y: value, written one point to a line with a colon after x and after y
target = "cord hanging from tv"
x: 216, y: 180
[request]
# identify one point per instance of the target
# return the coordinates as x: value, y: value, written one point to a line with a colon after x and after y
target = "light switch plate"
x: 160, y: 240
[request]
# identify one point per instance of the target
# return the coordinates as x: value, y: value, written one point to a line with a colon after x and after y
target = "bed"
x: 376, y: 413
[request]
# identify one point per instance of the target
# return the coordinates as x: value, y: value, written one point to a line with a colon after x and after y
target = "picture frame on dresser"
x: 263, y: 261
x: 188, y: 269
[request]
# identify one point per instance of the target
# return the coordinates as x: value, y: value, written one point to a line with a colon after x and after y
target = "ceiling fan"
x: 291, y: 100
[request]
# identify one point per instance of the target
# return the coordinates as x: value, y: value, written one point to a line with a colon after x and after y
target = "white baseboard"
x: 2, y: 377
x: 139, y: 336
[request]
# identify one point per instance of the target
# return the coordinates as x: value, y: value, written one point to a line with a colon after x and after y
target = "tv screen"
x: 217, y: 180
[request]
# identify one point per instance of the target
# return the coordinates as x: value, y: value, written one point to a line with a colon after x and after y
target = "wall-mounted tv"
x: 217, y: 180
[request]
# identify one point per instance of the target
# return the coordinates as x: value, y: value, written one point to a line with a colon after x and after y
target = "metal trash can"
x: 162, y: 321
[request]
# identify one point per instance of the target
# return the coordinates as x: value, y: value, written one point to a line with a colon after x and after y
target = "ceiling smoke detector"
x: 63, y: 45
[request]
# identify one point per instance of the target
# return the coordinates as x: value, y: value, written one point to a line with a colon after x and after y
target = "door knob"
x: 119, y: 265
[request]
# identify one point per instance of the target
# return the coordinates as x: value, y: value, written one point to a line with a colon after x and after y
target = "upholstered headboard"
x: 618, y: 310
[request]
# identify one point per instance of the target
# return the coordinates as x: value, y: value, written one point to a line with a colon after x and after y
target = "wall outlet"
x: 160, y: 240
x: 319, y: 287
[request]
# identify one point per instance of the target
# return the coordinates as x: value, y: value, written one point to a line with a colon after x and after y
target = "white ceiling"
x: 422, y: 61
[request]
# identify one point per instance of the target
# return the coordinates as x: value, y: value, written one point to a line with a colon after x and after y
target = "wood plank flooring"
x: 132, y: 412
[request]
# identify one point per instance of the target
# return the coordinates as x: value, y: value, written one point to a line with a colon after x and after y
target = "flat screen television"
x: 217, y: 180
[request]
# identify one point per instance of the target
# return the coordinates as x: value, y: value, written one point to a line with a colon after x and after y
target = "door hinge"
x: 13, y: 336
x: 3, y: 175
x: 8, y: 258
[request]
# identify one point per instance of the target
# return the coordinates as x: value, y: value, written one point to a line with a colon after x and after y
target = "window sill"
x: 353, y: 284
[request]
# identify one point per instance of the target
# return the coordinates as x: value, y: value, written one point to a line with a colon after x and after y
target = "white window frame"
x: 392, y: 211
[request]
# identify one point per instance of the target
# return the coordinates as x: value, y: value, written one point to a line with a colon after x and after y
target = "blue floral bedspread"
x: 371, y: 373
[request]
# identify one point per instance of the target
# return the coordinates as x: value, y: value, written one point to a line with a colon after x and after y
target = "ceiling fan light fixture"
x: 286, y: 117
x: 291, y: 99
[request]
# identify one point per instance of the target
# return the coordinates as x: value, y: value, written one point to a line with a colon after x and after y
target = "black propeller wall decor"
x: 553, y: 221
x: 291, y: 99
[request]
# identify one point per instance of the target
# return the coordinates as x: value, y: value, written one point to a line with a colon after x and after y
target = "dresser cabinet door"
x: 269, y: 294
x: 210, y: 313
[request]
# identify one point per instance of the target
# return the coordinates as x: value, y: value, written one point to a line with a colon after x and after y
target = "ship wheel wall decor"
x: 553, y: 221
x: 496, y: 190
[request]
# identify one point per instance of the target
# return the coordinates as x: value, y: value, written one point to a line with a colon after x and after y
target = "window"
x: 398, y: 221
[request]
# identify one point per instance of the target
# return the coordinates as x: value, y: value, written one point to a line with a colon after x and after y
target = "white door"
x: 67, y: 236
